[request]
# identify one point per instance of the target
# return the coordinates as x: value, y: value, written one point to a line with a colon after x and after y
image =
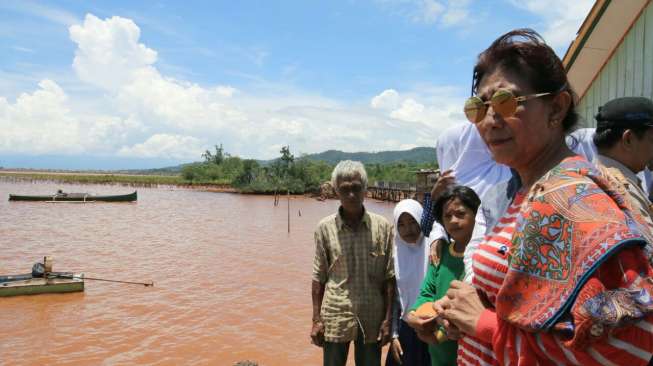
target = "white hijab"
x: 411, y: 260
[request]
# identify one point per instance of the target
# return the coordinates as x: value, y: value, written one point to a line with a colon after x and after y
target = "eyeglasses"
x: 503, y: 102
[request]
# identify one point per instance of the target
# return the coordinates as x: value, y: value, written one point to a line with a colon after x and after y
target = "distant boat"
x: 75, y: 197
x: 53, y: 282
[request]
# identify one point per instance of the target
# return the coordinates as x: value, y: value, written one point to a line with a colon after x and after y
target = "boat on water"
x: 75, y: 197
x: 54, y: 282
x: 42, y: 280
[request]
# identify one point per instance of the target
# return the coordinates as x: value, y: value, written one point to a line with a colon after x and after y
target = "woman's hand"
x: 445, y: 180
x: 451, y: 331
x: 463, y: 307
x: 396, y: 350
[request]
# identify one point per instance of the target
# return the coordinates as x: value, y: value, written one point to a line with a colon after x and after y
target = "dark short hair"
x: 608, y: 137
x: 467, y: 196
x: 524, y: 51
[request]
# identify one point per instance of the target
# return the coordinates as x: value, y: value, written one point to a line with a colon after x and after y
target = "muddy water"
x: 230, y: 282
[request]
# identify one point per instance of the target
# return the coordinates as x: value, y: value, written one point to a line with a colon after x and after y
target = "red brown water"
x: 230, y: 282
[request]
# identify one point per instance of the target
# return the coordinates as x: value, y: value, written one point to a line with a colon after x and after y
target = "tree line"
x: 286, y: 173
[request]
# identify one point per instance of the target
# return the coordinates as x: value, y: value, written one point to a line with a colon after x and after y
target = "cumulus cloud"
x: 388, y: 99
x: 44, y: 122
x: 137, y: 111
x: 108, y: 52
x: 39, y: 122
x: 410, y: 111
x: 437, y: 108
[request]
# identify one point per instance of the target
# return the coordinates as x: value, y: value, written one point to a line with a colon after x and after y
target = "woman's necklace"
x: 453, y: 252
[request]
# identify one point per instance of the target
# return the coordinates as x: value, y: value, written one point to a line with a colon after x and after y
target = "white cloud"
x: 39, y: 122
x: 410, y: 111
x: 457, y: 13
x: 436, y: 107
x: 428, y: 11
x: 446, y: 13
x: 561, y: 18
x: 225, y: 91
x: 135, y: 110
x: 44, y: 122
x: 23, y: 49
x: 388, y: 99
x: 165, y: 146
x: 108, y: 52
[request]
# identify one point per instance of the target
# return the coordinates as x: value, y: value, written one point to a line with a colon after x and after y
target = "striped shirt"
x: 353, y: 265
x: 490, y: 265
x: 500, y: 343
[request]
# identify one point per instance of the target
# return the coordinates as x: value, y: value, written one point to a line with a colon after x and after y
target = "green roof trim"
x: 587, y: 34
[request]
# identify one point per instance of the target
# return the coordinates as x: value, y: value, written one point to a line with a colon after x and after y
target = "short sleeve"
x: 320, y: 263
x: 389, y: 246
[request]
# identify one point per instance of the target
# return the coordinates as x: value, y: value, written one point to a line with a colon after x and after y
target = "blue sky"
x: 126, y: 84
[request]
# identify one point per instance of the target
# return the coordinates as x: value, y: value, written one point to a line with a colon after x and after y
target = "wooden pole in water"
x: 289, y: 210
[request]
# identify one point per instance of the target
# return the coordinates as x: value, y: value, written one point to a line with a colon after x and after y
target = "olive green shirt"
x: 435, y: 286
x: 353, y: 265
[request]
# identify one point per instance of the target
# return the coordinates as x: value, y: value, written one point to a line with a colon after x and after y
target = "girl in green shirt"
x: 455, y: 209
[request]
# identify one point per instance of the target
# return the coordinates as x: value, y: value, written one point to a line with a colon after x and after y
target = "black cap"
x: 626, y: 112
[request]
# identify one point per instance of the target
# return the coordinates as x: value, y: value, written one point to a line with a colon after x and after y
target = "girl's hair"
x: 467, y: 196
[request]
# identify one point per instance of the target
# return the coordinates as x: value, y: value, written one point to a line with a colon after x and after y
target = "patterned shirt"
x: 353, y: 264
x: 499, y: 342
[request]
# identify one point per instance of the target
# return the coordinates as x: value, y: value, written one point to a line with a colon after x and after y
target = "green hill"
x: 416, y: 155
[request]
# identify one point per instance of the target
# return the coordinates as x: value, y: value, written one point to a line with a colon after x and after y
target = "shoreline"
x: 130, y: 180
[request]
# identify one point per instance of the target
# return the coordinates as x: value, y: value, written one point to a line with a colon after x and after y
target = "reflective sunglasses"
x: 503, y: 102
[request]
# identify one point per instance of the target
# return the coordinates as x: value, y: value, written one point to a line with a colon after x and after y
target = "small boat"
x: 52, y: 282
x: 75, y: 197
x: 41, y: 281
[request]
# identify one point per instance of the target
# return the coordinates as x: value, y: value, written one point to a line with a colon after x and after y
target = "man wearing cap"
x: 624, y: 140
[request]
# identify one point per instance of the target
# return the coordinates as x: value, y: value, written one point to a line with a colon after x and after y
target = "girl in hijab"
x: 411, y: 257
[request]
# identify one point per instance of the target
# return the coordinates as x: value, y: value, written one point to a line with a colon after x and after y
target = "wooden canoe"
x: 76, y: 197
x: 27, y: 285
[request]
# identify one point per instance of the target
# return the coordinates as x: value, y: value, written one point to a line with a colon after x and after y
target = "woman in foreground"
x: 562, y: 278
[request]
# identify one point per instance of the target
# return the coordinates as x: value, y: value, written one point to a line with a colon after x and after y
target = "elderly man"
x: 353, y: 275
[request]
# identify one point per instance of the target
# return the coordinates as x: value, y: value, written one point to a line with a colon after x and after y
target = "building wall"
x: 629, y: 72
